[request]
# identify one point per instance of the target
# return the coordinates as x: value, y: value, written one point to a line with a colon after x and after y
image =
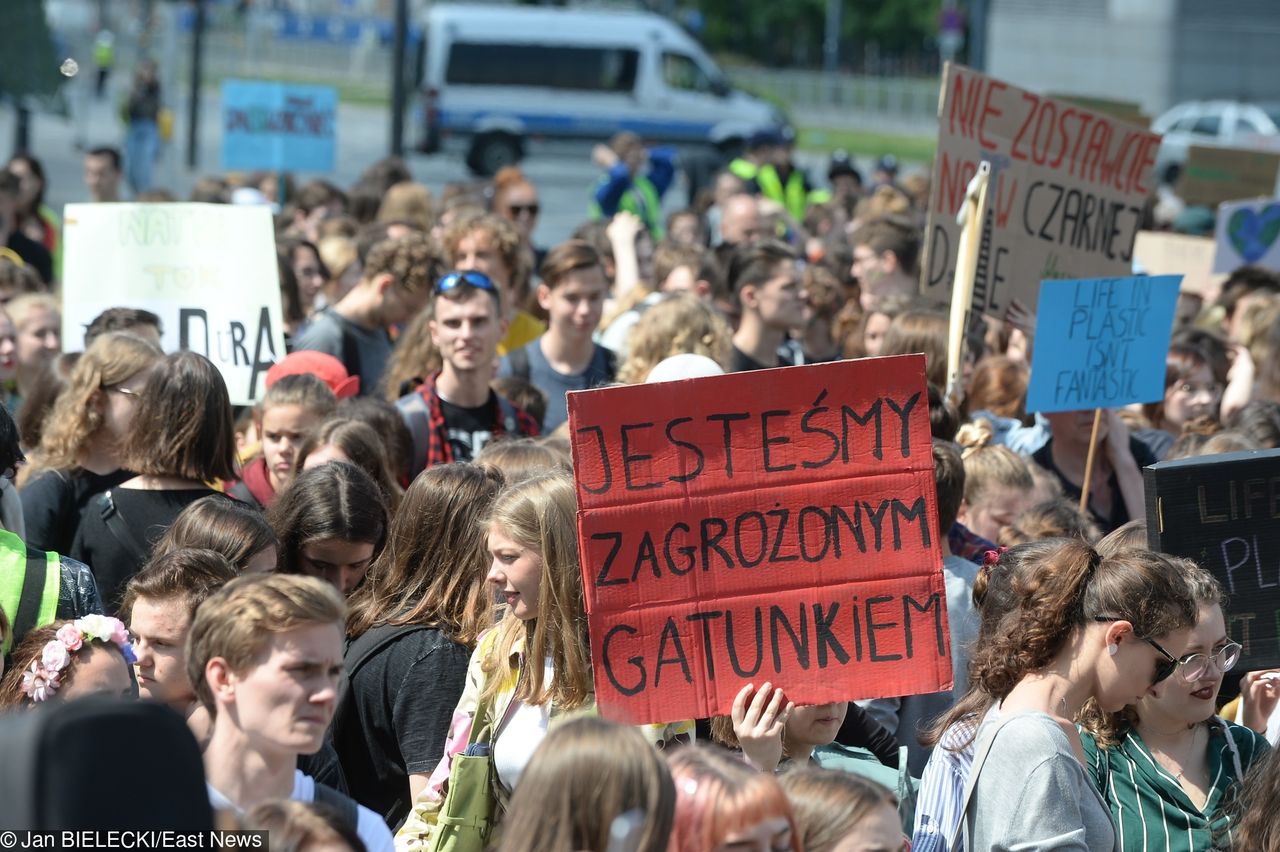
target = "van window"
x: 596, y: 69
x: 681, y: 72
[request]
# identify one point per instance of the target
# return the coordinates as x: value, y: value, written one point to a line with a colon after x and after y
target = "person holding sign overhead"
x: 1115, y: 493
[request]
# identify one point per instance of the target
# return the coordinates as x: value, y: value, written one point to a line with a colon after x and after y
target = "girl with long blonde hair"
x: 533, y: 670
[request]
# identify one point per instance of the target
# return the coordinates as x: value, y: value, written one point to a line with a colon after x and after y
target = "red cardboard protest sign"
x: 777, y: 525
x: 1067, y: 190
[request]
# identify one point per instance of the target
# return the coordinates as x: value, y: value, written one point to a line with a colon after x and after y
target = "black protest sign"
x: 1222, y: 511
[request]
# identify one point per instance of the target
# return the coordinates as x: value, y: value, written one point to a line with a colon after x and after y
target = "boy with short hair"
x: 885, y: 252
x: 455, y: 412
x: 160, y: 603
x: 265, y: 657
x: 394, y: 286
x: 765, y: 281
x: 565, y: 358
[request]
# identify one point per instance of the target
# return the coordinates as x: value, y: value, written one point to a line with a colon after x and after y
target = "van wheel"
x: 492, y: 151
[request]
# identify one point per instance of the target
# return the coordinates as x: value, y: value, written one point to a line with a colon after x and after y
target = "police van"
x: 497, y: 79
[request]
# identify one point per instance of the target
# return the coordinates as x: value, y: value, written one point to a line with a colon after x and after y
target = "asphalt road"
x: 564, y: 175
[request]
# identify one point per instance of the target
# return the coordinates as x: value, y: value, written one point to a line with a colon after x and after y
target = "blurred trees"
x: 877, y: 36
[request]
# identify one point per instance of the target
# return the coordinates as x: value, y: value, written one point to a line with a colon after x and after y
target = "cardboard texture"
x: 1161, y: 253
x: 1101, y: 343
x: 1213, y: 175
x: 778, y: 525
x: 1222, y: 511
x: 1067, y: 189
x: 278, y: 126
x: 207, y: 270
x: 1247, y: 233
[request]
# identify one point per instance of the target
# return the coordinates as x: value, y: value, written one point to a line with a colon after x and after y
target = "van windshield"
x: 597, y: 69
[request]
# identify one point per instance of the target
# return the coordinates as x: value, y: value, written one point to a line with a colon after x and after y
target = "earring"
x: 1113, y: 649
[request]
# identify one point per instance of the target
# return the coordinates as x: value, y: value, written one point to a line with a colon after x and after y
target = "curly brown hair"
x: 413, y: 261
x: 77, y: 413
x: 1070, y: 586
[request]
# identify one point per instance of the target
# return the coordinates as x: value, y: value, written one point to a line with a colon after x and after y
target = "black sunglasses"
x: 517, y: 209
x: 1164, y: 667
x: 471, y: 278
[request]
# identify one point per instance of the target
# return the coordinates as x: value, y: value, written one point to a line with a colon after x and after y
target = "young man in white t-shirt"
x: 265, y: 656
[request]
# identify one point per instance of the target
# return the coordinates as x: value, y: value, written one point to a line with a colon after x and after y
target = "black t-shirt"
x: 33, y: 254
x: 1119, y: 512
x: 469, y: 429
x: 395, y: 716
x: 115, y: 558
x: 54, y: 501
x: 741, y: 362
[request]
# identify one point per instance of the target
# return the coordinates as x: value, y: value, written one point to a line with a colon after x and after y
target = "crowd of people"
x: 364, y: 593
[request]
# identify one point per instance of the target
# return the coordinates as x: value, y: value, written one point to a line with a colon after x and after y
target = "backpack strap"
x: 960, y: 840
x: 118, y: 528
x: 347, y: 809
x: 510, y: 421
x: 416, y: 415
x: 1235, y: 749
x: 39, y: 575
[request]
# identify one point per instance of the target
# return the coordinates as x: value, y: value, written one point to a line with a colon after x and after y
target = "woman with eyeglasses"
x: 81, y: 452
x: 1166, y: 764
x: 1082, y: 629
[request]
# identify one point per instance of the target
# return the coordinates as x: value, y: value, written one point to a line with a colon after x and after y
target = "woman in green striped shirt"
x: 1165, y: 765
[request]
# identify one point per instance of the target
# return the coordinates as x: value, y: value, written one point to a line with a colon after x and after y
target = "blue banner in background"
x: 1101, y: 342
x: 278, y: 126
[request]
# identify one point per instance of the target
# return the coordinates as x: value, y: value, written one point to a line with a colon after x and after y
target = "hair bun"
x: 974, y: 436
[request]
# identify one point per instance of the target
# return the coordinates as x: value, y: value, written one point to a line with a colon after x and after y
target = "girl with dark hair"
x: 1192, y: 390
x: 331, y: 522
x: 341, y: 439
x: 1082, y: 628
x: 412, y: 626
x: 35, y: 219
x: 233, y: 529
x: 181, y: 439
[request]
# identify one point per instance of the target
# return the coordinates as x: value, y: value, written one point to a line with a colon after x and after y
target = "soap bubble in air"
x: 69, y: 67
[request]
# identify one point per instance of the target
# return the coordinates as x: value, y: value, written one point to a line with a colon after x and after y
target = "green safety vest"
x: 643, y: 201
x: 792, y: 196
x: 30, y: 582
x: 744, y: 169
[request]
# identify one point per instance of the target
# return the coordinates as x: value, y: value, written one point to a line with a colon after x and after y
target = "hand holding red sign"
x: 778, y: 524
x: 758, y: 724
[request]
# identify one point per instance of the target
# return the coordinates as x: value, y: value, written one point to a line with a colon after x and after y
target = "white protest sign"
x: 1247, y: 234
x: 207, y: 270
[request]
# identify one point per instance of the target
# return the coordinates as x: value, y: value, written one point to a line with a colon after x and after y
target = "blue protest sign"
x: 278, y: 126
x: 1101, y: 342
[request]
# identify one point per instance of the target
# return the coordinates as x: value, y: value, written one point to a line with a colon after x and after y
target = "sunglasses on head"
x: 471, y: 278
